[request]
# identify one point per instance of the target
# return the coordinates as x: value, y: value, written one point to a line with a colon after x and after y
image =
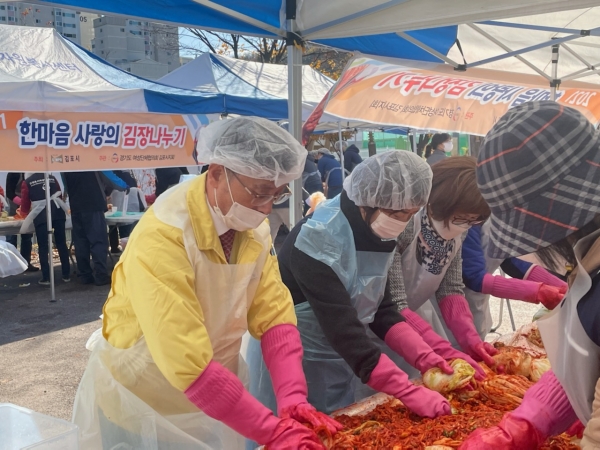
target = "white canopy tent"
x: 219, y: 73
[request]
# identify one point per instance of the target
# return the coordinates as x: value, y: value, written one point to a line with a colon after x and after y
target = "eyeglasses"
x: 262, y: 199
x: 467, y: 222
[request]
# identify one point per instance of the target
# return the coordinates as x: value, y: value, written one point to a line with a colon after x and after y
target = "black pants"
x: 26, y: 245
x: 91, y: 239
x: 60, y: 240
x: 117, y: 232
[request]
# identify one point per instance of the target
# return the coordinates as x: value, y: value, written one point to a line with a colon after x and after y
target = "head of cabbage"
x: 437, y: 380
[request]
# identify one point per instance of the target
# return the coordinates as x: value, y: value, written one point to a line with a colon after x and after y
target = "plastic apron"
x: 124, y: 401
x: 28, y: 227
x: 479, y: 303
x: 328, y: 238
x: 574, y: 357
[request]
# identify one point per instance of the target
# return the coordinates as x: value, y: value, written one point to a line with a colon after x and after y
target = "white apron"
x: 479, y: 303
x: 575, y: 358
x: 27, y: 227
x: 124, y: 401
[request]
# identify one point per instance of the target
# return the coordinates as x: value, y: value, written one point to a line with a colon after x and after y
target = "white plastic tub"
x: 23, y: 429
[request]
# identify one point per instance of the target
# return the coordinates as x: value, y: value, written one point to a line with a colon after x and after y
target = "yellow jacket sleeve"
x: 272, y: 304
x: 157, y: 278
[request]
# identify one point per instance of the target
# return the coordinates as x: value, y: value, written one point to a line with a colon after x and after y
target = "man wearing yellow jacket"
x: 197, y: 273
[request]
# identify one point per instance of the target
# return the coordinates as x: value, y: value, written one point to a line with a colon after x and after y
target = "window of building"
x: 101, y: 30
x: 69, y: 15
x: 102, y: 52
x: 70, y: 25
x: 59, y: 24
x: 145, y: 33
x: 11, y: 8
x: 122, y: 30
x: 37, y: 20
x: 134, y: 22
x: 3, y: 7
x: 58, y: 13
x: 136, y: 33
x: 168, y: 53
x: 11, y: 19
x: 3, y: 19
x: 169, y: 63
x: 69, y: 35
x: 101, y: 41
x: 93, y: 45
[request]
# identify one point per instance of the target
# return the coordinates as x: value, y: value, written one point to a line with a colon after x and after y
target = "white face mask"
x: 387, y: 228
x: 448, y: 146
x: 239, y: 217
x: 449, y: 232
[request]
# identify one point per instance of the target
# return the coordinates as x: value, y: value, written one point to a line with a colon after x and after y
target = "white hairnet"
x: 254, y: 147
x: 392, y: 180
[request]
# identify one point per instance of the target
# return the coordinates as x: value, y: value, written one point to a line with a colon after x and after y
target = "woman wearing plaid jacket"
x: 539, y: 171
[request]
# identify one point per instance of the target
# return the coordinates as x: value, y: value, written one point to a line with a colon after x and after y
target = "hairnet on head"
x: 393, y: 180
x: 254, y: 147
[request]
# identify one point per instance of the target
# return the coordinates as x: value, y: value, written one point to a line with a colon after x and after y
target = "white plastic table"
x: 127, y: 219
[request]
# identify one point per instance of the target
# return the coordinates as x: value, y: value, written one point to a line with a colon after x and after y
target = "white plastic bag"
x: 11, y: 262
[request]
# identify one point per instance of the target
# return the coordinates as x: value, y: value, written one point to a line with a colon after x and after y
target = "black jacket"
x: 85, y: 192
x: 168, y: 177
x: 13, y: 184
x: 34, y: 189
x: 314, y: 282
x: 352, y: 158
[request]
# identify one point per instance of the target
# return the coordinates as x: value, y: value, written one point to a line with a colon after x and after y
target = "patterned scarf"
x: 433, y: 251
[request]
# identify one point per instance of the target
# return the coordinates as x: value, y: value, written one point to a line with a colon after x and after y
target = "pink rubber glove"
x: 282, y: 352
x: 388, y: 378
x: 544, y: 412
x: 289, y: 434
x: 457, y: 315
x: 541, y: 275
x: 509, y: 434
x: 410, y: 345
x: 440, y: 345
x: 528, y: 291
x: 17, y: 201
x: 221, y: 395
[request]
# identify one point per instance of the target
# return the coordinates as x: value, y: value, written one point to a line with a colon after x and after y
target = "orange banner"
x: 57, y: 141
x: 381, y: 93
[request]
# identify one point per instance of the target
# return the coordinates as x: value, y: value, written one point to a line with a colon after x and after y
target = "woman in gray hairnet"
x: 335, y: 264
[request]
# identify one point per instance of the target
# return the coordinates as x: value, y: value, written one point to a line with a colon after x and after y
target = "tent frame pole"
x: 49, y: 234
x: 341, y: 150
x: 294, y: 56
x: 507, y: 49
x: 555, y: 81
x: 428, y: 49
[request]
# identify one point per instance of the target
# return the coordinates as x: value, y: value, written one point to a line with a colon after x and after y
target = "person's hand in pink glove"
x: 550, y: 296
x: 457, y: 315
x: 282, y: 352
x: 545, y: 411
x: 410, y: 345
x: 388, y: 378
x: 222, y: 396
x: 289, y: 434
x: 439, y: 345
x: 525, y: 290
